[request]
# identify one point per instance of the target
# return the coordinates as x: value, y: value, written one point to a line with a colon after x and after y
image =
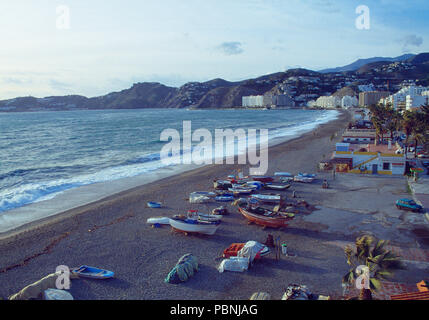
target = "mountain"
x: 361, y: 62
x: 301, y: 85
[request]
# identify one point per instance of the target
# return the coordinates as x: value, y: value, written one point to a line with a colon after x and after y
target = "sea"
x: 44, y: 155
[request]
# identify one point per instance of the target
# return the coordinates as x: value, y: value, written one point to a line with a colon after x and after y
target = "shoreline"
x: 21, y: 219
x: 112, y: 233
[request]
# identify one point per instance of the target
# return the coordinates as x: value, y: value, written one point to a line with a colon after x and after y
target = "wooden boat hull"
x: 209, y: 228
x: 273, y: 222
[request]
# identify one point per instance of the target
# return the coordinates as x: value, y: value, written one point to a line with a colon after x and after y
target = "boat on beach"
x: 283, y: 174
x: 152, y: 204
x: 225, y: 198
x: 267, y: 198
x: 303, y: 179
x: 93, y: 273
x: 158, y: 220
x: 193, y: 226
x: 279, y: 187
x: 262, y: 179
x: 238, y: 190
x: 264, y: 217
x: 192, y: 214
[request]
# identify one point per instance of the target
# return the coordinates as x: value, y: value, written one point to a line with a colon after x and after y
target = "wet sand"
x: 112, y: 233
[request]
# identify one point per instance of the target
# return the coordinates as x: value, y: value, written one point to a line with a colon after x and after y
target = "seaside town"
x: 373, y: 186
x: 297, y: 144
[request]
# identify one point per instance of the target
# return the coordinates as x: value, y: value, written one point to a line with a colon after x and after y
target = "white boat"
x: 187, y: 225
x: 303, y: 179
x: 193, y: 214
x: 283, y: 174
x: 307, y: 175
x: 268, y: 198
x: 158, y: 220
x: 279, y: 187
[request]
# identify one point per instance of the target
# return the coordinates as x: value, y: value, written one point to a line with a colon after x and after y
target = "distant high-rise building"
x: 371, y: 97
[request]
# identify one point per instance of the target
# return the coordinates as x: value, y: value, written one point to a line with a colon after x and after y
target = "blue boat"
x: 154, y: 205
x: 93, y: 273
x: 225, y: 198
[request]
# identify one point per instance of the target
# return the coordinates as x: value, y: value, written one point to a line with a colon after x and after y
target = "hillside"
x: 301, y: 85
x: 361, y: 62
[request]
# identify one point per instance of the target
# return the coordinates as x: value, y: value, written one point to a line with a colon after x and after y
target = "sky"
x: 91, y: 48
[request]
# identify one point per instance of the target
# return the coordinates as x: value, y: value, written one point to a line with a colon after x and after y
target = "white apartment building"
x: 253, y: 101
x: 407, y: 98
x: 415, y: 102
x: 328, y: 102
x: 349, y: 102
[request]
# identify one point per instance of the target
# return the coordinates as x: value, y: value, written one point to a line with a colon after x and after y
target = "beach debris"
x: 234, y: 264
x: 253, y: 250
x: 152, y: 204
x: 36, y: 290
x: 301, y: 292
x: 260, y: 296
x: 92, y: 272
x: 183, y: 270
x: 284, y: 249
x: 56, y: 294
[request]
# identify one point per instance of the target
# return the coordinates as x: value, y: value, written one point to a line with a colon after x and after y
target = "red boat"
x: 264, y: 217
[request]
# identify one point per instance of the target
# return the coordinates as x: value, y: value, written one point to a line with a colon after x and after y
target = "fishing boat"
x: 307, y: 175
x: 222, y: 184
x: 264, y: 217
x: 194, y: 214
x: 263, y: 179
x: 225, y: 198
x: 187, y: 225
x: 93, y: 273
x: 267, y: 198
x: 283, y: 174
x: 154, y: 204
x: 303, y: 179
x: 240, y: 190
x: 279, y: 187
x: 158, y: 220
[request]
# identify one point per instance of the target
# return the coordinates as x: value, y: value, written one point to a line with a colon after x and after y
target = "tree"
x: 393, y: 120
x: 408, y: 123
x: 379, y: 262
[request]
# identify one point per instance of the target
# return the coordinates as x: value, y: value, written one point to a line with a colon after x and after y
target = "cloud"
x: 231, y: 48
x: 411, y: 40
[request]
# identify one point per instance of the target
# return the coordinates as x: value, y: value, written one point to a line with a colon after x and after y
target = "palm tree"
x: 393, y: 120
x: 380, y: 263
x: 408, y: 123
